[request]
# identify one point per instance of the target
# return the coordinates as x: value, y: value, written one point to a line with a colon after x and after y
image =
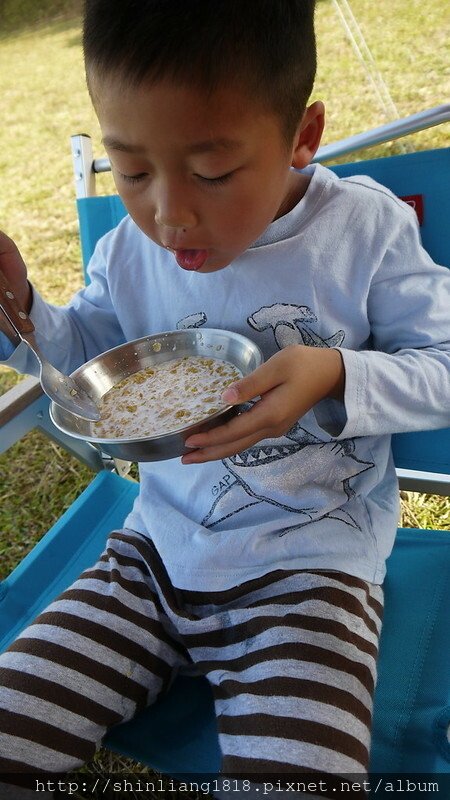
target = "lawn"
x: 44, y: 101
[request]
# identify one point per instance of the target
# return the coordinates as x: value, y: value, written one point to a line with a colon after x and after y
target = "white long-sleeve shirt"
x: 344, y: 269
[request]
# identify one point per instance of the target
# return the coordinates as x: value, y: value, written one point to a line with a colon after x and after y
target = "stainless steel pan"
x: 103, y: 372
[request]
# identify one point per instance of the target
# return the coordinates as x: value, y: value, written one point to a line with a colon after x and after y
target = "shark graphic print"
x: 305, y: 474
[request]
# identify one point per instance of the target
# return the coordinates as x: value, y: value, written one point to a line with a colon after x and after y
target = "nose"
x: 173, y: 209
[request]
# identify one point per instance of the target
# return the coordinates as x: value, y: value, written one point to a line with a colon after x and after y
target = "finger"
x: 14, y: 269
x: 216, y: 452
x: 248, y: 423
x: 7, y: 244
x: 9, y: 252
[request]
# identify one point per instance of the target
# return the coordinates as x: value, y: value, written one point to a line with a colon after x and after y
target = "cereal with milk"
x: 164, y: 397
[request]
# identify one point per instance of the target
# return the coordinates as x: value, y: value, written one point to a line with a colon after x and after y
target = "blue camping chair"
x: 177, y: 735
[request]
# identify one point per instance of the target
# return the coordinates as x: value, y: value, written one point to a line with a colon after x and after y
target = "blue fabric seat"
x: 412, y: 703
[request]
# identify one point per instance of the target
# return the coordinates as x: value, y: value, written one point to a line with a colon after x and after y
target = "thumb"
x: 274, y: 372
x: 14, y: 270
x: 247, y: 388
x: 231, y: 394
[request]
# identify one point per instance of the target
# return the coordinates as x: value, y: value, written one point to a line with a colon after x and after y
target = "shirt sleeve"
x: 6, y: 348
x: 402, y: 383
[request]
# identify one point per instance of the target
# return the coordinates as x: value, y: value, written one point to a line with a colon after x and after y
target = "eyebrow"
x: 115, y: 144
x: 208, y: 146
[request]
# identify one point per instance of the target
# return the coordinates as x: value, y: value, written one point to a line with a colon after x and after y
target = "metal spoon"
x: 63, y: 390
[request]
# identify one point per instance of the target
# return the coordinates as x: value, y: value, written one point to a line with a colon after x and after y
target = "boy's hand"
x: 13, y: 267
x: 289, y: 384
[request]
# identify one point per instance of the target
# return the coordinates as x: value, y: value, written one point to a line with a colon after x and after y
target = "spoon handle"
x: 17, y: 318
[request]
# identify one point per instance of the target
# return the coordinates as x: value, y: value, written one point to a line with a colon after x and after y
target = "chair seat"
x: 69, y: 547
x: 178, y: 735
x: 412, y: 701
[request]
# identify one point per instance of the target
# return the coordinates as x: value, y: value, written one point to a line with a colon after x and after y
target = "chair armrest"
x: 411, y: 480
x: 24, y: 408
x: 15, y: 400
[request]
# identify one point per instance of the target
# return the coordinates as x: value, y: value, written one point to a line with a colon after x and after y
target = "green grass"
x: 22, y: 14
x: 44, y: 101
x: 40, y: 482
x: 408, y: 40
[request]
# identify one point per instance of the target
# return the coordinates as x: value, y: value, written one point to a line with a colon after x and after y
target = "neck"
x: 297, y: 186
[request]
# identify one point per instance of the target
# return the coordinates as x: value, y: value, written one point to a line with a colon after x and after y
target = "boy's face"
x: 201, y: 175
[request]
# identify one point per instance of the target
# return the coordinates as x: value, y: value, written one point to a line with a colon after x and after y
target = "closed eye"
x: 133, y: 178
x: 220, y: 180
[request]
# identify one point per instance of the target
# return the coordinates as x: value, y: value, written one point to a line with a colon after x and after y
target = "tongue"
x: 191, y: 259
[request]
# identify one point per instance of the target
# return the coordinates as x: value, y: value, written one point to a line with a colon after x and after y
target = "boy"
x: 258, y: 558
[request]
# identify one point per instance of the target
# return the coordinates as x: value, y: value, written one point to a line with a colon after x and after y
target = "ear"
x: 308, y: 135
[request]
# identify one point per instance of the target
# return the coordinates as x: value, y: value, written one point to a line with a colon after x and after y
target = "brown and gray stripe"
x: 290, y: 656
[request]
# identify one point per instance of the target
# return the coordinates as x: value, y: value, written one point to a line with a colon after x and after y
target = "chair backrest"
x: 97, y: 215
x: 422, y: 179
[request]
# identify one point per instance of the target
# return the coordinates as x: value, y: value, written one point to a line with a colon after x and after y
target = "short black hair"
x: 266, y: 47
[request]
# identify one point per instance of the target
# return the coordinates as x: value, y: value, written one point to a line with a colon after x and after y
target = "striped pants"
x: 291, y: 658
